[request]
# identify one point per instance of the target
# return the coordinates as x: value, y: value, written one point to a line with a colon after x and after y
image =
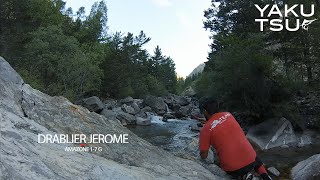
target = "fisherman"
x: 221, y: 130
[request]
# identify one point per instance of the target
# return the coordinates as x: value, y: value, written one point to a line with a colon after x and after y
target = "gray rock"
x: 10, y: 88
x: 181, y: 100
x: 195, y: 127
x: 27, y: 108
x: 195, y: 111
x: 109, y: 114
x: 110, y: 104
x: 191, y: 151
x: 128, y: 118
x: 304, y: 140
x: 168, y: 116
x: 274, y: 171
x: 143, y: 121
x: 93, y: 104
x: 141, y: 114
x: 157, y: 104
x: 307, y: 169
x: 128, y: 100
x: 128, y: 109
x: 136, y: 107
x: 146, y: 109
x: 184, y: 111
x: 272, y: 133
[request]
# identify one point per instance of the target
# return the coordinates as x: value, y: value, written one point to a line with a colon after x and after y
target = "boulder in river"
x: 272, y: 133
x: 157, y: 104
x: 168, y: 116
x: 143, y: 121
x: 307, y: 169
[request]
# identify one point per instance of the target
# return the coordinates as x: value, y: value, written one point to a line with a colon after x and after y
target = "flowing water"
x: 172, y: 135
x: 176, y: 134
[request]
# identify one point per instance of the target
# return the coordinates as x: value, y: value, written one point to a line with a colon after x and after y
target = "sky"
x: 175, y: 25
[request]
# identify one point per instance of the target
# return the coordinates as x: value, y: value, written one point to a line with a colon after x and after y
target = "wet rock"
x: 93, y: 104
x: 143, y: 121
x: 272, y: 133
x: 307, y: 169
x: 274, y: 171
x: 195, y: 127
x: 128, y: 109
x: 168, y: 116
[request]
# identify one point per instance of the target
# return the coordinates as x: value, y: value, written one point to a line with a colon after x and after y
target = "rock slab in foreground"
x: 307, y: 169
x: 26, y: 112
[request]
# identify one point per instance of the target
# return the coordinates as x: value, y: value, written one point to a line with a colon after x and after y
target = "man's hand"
x: 204, y: 154
x: 202, y: 120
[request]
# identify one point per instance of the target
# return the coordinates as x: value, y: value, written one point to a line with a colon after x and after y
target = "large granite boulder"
x: 23, y: 158
x: 10, y: 88
x: 157, y: 104
x: 191, y: 151
x: 93, y: 104
x: 307, y: 169
x: 26, y: 112
x: 273, y: 133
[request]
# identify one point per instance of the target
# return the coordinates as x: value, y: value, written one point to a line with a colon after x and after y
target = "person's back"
x: 222, y: 131
x: 225, y: 134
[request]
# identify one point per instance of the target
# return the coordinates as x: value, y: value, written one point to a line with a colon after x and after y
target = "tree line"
x: 259, y: 72
x: 72, y: 54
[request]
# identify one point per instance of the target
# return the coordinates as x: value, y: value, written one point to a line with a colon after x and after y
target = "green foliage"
x: 240, y: 75
x: 130, y: 70
x: 254, y: 71
x: 75, y: 57
x: 60, y: 65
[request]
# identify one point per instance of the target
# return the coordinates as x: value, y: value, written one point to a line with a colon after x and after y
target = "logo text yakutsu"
x: 281, y: 20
